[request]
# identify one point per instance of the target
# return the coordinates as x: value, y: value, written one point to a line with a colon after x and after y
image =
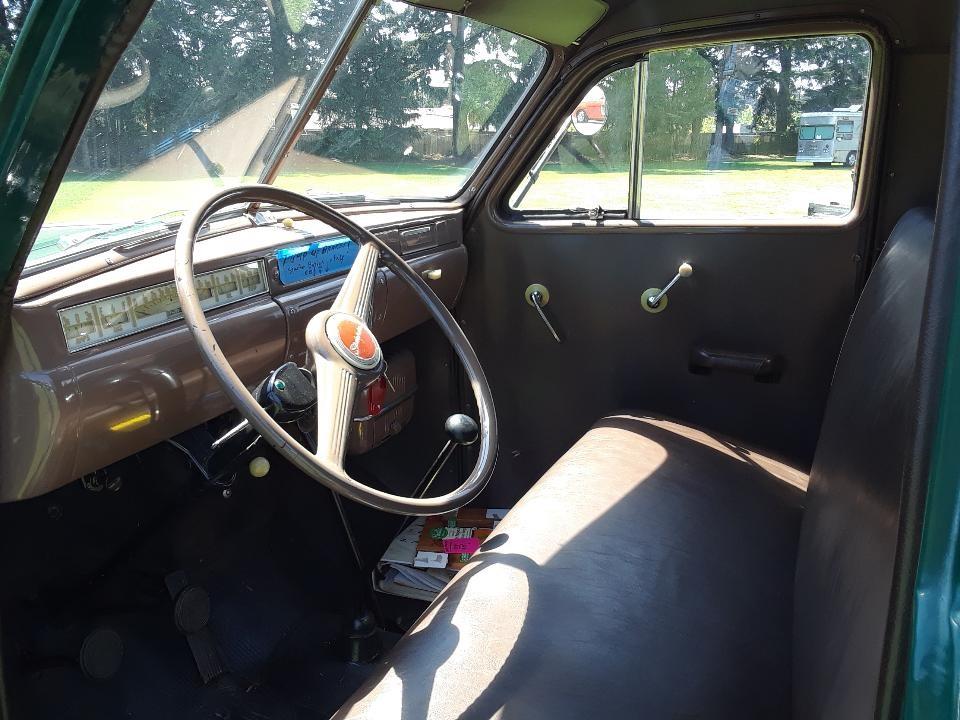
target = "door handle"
x: 537, y: 296
x: 763, y: 368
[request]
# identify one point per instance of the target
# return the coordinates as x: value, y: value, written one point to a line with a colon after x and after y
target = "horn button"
x: 353, y: 341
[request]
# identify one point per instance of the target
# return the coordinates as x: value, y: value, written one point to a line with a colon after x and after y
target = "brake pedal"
x: 191, y: 615
x: 101, y: 653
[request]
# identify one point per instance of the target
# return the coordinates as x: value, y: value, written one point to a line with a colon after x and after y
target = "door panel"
x: 778, y: 292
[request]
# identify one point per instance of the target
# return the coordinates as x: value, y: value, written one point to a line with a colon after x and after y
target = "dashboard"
x: 102, y: 366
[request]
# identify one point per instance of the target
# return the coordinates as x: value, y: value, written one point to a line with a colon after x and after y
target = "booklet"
x: 426, y: 555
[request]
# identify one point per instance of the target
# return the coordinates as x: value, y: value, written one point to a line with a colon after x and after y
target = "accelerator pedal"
x: 191, y: 615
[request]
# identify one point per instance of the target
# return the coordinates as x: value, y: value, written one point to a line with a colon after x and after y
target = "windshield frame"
x: 318, y: 88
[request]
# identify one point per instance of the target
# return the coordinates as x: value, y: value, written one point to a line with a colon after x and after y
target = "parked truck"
x: 829, y: 137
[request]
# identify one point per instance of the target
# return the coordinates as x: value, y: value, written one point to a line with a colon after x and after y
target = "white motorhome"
x: 830, y: 136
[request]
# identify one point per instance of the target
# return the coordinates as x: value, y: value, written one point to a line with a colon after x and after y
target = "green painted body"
x: 933, y: 683
x: 68, y: 46
x: 63, y: 49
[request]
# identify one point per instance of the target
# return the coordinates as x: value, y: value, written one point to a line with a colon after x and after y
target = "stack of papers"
x: 426, y: 554
x: 397, y: 574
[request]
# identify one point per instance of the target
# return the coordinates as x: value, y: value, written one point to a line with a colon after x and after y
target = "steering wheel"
x: 345, y: 354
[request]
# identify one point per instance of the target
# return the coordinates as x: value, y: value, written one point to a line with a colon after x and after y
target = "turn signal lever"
x: 461, y: 430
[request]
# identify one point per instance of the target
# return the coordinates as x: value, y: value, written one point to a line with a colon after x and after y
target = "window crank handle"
x: 538, y: 304
x: 538, y: 296
x: 685, y: 270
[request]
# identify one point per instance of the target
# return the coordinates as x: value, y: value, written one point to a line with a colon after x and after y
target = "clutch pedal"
x: 191, y: 615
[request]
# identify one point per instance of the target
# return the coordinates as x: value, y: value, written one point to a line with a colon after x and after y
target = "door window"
x: 587, y: 163
x: 752, y: 130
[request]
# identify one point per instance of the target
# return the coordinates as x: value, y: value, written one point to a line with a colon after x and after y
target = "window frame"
x: 607, y: 59
x: 564, y: 124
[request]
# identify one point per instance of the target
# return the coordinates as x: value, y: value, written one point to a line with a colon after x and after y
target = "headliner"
x: 923, y: 25
x: 919, y: 26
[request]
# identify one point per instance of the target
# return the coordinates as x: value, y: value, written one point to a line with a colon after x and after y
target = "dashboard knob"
x: 259, y: 467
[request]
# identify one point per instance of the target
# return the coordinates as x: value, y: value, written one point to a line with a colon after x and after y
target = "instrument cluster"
x: 103, y: 320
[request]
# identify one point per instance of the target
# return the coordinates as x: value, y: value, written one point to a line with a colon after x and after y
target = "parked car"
x: 592, y: 108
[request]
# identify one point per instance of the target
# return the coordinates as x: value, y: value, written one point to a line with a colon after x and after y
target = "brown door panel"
x: 779, y: 295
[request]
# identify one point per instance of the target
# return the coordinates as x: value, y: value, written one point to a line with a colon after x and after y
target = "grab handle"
x: 763, y: 368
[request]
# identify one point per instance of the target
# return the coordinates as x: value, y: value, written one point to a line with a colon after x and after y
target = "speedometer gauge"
x: 104, y: 320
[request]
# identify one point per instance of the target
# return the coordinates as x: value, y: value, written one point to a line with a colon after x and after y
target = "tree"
x: 836, y: 72
x: 205, y: 60
x: 488, y: 70
x: 457, y: 51
x: 410, y: 58
x: 680, y: 94
x: 370, y: 109
x: 13, y: 13
x: 498, y: 70
x: 808, y: 74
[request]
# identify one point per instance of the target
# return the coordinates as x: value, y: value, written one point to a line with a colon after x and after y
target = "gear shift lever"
x: 461, y: 430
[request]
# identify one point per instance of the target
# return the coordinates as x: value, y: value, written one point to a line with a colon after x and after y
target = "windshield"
x: 207, y: 88
x: 816, y: 132
x: 194, y: 104
x: 414, y: 106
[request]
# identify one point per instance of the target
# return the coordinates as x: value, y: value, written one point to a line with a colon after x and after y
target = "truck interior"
x: 438, y: 359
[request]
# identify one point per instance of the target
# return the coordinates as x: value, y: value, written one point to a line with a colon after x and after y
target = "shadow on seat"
x: 646, y: 540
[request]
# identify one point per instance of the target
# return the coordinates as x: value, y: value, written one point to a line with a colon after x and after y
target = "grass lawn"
x: 762, y: 189
x: 115, y: 200
x: 750, y: 189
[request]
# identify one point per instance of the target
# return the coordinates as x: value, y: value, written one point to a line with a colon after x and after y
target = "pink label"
x: 456, y: 546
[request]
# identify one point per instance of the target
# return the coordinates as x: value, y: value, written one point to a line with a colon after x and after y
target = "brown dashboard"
x: 80, y: 397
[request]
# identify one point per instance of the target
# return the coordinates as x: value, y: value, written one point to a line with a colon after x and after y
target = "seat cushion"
x: 647, y: 574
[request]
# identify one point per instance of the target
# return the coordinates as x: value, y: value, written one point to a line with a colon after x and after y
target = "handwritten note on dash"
x: 320, y: 258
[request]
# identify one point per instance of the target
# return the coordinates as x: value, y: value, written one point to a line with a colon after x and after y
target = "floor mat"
x: 276, y: 614
x: 280, y: 667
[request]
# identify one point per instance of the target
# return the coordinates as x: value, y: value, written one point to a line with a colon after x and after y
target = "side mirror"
x: 591, y: 114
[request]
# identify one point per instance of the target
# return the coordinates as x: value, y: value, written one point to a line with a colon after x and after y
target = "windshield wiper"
x: 335, y: 199
x: 123, y: 232
x: 150, y: 228
x: 138, y: 231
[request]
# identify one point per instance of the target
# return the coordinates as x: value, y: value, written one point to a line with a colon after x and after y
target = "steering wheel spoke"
x: 336, y: 393
x: 356, y: 295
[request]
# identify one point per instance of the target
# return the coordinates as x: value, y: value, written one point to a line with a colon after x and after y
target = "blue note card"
x: 320, y: 258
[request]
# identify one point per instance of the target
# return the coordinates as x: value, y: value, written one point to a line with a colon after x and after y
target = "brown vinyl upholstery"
x: 659, y: 572
x: 848, y: 544
x: 651, y: 558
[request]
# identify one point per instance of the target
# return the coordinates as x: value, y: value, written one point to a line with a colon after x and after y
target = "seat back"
x: 849, y: 533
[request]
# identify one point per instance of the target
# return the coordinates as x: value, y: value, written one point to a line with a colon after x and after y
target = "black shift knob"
x: 462, y: 429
